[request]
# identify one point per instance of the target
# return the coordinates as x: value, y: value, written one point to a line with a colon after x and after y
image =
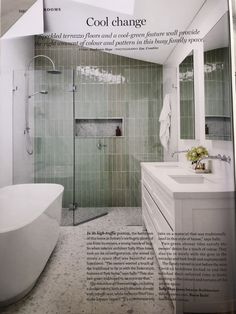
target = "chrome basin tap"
x: 179, y: 152
x: 219, y: 157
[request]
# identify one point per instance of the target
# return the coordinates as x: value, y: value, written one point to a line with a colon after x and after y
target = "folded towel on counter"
x: 164, y: 120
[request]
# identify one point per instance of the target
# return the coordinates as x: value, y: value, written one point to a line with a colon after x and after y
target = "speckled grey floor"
x: 61, y: 287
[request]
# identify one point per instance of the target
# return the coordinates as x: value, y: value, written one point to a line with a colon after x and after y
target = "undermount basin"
x: 188, y: 179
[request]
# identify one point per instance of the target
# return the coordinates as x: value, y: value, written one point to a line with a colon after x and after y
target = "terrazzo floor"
x: 61, y: 288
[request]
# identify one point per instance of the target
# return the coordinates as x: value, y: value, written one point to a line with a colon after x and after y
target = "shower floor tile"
x: 61, y: 288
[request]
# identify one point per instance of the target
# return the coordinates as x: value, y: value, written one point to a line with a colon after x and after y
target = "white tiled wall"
x: 15, y: 54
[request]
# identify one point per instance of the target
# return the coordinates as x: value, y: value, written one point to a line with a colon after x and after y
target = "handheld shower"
x: 43, y: 92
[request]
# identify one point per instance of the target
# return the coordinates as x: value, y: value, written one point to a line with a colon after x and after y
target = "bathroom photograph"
x: 117, y: 125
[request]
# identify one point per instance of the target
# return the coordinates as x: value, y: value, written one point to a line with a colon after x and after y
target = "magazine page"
x: 117, y: 176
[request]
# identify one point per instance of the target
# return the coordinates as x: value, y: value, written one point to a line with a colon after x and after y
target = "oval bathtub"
x: 29, y: 228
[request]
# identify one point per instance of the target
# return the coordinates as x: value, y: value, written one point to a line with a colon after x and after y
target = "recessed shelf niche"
x: 218, y: 127
x: 99, y: 127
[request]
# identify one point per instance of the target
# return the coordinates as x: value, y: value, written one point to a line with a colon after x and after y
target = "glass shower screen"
x: 51, y: 151
x: 50, y: 121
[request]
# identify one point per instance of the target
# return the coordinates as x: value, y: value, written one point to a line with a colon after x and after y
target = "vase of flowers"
x: 194, y: 155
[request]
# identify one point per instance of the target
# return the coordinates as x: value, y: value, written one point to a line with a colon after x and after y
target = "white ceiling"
x: 218, y: 37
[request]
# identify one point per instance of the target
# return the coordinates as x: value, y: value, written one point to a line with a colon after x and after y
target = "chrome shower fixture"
x: 53, y: 71
x: 43, y: 92
x: 28, y: 138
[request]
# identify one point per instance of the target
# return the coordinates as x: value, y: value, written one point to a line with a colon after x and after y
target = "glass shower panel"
x: 54, y: 131
x: 95, y: 138
x: 53, y: 134
x: 45, y: 153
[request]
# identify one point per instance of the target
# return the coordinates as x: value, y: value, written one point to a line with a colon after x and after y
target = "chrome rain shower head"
x: 43, y: 92
x: 54, y: 71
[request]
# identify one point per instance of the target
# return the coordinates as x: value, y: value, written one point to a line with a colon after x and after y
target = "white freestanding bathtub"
x: 29, y: 228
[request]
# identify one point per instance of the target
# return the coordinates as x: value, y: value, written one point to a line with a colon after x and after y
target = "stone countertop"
x: 181, y: 182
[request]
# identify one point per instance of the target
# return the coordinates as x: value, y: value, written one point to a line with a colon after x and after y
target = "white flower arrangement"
x: 196, y: 153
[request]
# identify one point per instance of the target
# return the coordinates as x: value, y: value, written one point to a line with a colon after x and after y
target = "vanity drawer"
x: 160, y: 222
x: 151, y: 230
x: 156, y: 242
x: 160, y: 197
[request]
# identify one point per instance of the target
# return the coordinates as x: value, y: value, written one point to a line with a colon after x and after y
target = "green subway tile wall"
x: 108, y: 86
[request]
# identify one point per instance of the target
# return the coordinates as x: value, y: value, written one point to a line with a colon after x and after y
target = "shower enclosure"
x: 74, y: 118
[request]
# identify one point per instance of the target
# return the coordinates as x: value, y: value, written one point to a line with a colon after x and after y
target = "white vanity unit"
x: 176, y: 199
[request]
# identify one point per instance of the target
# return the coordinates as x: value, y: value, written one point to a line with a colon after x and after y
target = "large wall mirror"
x: 218, y: 102
x: 187, y: 103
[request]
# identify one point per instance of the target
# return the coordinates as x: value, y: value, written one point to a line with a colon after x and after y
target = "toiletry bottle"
x: 118, y: 131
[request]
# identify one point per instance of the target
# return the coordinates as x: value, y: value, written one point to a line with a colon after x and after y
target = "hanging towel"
x: 164, y: 120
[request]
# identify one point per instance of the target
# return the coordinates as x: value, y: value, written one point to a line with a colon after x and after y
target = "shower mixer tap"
x: 100, y: 145
x: 43, y: 92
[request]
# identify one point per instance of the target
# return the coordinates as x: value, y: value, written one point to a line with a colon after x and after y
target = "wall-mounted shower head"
x: 54, y: 71
x: 43, y: 92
